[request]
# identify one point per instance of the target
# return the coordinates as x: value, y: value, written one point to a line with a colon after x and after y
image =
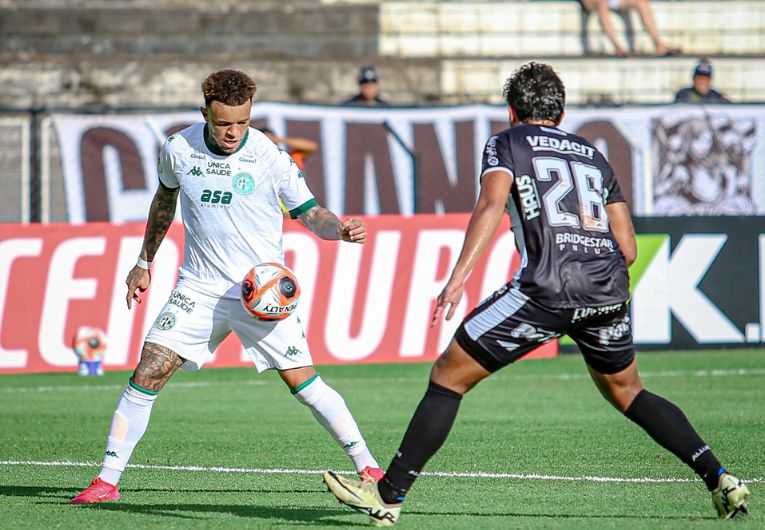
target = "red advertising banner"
x: 370, y: 303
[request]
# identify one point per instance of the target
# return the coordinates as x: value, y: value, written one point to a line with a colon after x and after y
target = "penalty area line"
x: 443, y: 474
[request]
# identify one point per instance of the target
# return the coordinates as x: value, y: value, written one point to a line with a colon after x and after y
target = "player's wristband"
x: 143, y: 263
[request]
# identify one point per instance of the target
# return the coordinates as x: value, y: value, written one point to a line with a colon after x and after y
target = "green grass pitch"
x: 534, y: 418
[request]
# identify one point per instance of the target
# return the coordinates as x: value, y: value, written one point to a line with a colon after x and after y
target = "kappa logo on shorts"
x: 292, y: 350
x: 165, y: 321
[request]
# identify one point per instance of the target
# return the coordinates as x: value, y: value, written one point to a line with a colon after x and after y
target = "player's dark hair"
x: 535, y: 92
x: 230, y: 87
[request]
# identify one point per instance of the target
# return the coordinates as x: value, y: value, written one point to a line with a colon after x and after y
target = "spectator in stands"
x: 701, y: 91
x: 623, y: 7
x: 298, y: 148
x: 369, y: 87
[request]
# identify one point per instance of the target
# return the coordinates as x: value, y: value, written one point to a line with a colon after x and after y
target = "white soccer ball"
x: 270, y: 291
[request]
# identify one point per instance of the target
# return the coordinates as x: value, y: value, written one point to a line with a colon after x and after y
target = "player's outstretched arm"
x: 161, y: 214
x: 495, y: 189
x: 326, y: 225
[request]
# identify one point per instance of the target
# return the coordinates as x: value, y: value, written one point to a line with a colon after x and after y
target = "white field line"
x: 445, y: 474
x: 738, y: 372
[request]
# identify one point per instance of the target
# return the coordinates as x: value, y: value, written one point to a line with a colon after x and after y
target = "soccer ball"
x: 270, y: 291
x: 89, y: 344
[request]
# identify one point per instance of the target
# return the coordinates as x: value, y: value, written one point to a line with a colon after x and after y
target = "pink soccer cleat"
x: 98, y: 491
x: 375, y: 474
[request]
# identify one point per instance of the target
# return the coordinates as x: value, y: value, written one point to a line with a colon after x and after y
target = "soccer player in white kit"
x: 230, y: 178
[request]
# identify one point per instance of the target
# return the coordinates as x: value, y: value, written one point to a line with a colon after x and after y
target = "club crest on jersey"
x: 243, y: 183
x: 527, y: 191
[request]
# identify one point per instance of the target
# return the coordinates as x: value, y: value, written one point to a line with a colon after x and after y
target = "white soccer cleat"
x: 730, y: 497
x: 363, y: 497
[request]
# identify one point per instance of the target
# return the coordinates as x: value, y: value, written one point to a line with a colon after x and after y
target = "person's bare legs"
x: 643, y: 8
x: 456, y: 370
x: 604, y: 15
x: 157, y: 365
x: 619, y: 389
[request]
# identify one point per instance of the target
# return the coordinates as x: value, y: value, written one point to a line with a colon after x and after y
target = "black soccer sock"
x: 425, y: 435
x: 669, y: 427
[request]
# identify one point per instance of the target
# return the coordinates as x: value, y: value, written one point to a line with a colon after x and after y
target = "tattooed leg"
x: 157, y: 364
x: 131, y: 418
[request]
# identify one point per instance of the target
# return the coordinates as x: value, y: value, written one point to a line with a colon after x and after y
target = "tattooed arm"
x: 161, y: 214
x: 326, y: 225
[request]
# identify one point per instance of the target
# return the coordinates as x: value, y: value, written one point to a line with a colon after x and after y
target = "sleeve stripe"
x: 498, y: 168
x: 303, y: 208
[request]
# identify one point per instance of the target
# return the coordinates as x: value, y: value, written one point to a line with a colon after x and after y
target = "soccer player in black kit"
x: 575, y: 239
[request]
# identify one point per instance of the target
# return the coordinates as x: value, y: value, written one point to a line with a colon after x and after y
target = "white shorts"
x: 193, y: 325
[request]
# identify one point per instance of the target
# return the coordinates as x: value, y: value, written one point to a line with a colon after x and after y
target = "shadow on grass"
x: 310, y: 515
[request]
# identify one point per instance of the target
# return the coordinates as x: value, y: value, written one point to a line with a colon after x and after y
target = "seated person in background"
x: 623, y: 7
x: 701, y: 91
x: 369, y: 87
x: 298, y: 148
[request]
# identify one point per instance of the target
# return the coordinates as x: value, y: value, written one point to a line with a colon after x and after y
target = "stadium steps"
x: 491, y: 29
x: 166, y: 82
x: 141, y: 53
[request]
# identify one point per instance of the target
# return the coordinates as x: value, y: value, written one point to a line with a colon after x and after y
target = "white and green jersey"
x: 230, y: 204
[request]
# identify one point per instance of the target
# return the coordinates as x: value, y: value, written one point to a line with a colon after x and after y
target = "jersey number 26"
x: 589, y: 189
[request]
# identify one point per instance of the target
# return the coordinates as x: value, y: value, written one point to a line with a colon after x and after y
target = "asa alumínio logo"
x: 216, y: 197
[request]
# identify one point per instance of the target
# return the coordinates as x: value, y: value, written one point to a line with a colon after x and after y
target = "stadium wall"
x: 698, y: 282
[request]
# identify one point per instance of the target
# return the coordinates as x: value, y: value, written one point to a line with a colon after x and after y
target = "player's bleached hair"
x: 230, y: 87
x: 535, y: 92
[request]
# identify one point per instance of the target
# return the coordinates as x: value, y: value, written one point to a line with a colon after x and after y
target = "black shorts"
x: 509, y: 324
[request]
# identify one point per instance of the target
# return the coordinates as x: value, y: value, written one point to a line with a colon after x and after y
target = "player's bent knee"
x: 158, y: 363
x: 456, y: 370
x: 621, y: 397
x: 297, y: 378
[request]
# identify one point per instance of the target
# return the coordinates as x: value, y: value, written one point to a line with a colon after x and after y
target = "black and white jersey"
x: 561, y: 184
